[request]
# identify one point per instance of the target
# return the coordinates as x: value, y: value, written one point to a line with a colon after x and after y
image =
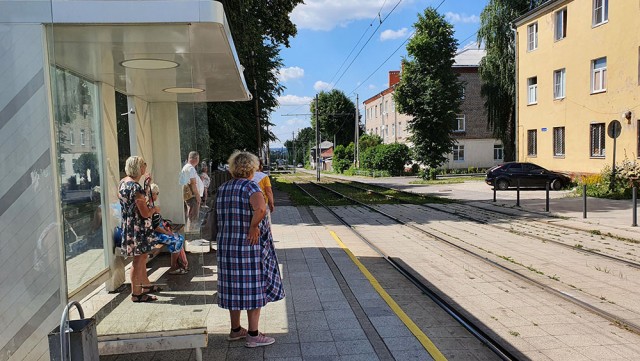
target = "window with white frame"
x: 561, y: 24
x: 532, y: 90
x: 459, y: 125
x: 393, y: 129
x: 559, y: 83
x: 400, y: 129
x: 386, y: 106
x: 458, y: 152
x: 597, y: 140
x: 376, y: 111
x: 532, y: 142
x: 558, y: 141
x: 71, y: 140
x: 463, y: 93
x: 600, y: 12
x: 380, y: 108
x: 81, y: 136
x: 599, y: 75
x: 498, y: 152
x: 532, y: 36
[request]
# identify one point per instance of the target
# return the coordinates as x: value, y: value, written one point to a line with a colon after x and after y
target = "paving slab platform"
x: 331, y: 311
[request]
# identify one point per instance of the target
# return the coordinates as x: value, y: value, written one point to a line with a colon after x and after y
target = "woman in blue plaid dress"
x: 248, y: 273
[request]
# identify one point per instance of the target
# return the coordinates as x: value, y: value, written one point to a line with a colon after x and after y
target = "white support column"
x: 165, y: 150
x: 110, y: 182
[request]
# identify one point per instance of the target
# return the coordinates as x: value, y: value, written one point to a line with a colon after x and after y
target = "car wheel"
x: 502, y: 184
x: 556, y: 184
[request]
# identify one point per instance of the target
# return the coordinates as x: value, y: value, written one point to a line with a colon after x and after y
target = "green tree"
x: 343, y: 157
x: 336, y: 114
x: 260, y: 29
x: 367, y: 141
x: 497, y: 68
x: 429, y: 89
x: 305, y: 139
x: 392, y: 157
x: 88, y: 161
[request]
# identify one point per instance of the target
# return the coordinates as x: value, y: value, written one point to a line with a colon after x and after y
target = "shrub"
x: 391, y: 158
x: 600, y: 185
x: 342, y: 158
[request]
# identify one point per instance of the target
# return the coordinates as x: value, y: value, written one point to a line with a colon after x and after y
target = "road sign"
x: 614, y: 129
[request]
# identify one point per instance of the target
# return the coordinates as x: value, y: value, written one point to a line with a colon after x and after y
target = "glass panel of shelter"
x: 77, y: 117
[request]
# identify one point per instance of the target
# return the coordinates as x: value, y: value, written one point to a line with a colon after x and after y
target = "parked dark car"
x: 530, y: 175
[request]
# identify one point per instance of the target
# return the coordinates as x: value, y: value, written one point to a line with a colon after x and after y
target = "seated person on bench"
x: 165, y: 235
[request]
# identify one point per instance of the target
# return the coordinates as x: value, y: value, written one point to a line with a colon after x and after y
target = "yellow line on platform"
x: 417, y: 332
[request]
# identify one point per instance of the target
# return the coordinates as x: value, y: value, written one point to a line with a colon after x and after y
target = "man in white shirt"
x: 193, y: 181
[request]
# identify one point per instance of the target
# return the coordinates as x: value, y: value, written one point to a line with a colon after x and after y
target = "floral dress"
x: 248, y: 275
x: 137, y: 233
x: 174, y: 243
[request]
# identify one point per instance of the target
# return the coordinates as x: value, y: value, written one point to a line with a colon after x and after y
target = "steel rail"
x: 498, y: 349
x: 630, y: 326
x: 470, y: 218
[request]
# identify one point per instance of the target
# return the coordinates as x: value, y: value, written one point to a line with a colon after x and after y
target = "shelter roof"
x: 94, y: 38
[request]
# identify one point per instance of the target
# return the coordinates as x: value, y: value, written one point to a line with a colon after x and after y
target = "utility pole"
x: 317, y: 141
x: 357, y: 135
x: 255, y: 92
x: 293, y: 143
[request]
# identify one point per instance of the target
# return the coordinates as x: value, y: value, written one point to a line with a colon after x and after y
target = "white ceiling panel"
x: 203, y: 50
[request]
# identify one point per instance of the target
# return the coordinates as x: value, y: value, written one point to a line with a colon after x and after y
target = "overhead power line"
x: 367, y: 42
x: 395, y: 51
x: 358, y: 42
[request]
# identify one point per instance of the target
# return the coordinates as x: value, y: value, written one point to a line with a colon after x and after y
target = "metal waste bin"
x: 74, y: 339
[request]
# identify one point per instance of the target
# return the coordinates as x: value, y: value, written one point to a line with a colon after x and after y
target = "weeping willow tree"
x: 497, y: 68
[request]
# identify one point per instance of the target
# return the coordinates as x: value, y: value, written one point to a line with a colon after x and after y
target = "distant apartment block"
x: 475, y: 145
x: 577, y: 70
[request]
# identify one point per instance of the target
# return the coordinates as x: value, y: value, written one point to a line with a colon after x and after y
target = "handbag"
x: 187, y: 192
x: 209, y: 229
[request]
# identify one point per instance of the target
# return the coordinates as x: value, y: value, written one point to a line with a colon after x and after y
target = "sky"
x: 329, y: 51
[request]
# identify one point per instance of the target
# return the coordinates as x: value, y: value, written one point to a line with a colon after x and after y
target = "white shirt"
x: 188, y: 173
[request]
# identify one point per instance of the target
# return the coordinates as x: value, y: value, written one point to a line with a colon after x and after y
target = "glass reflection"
x: 77, y: 130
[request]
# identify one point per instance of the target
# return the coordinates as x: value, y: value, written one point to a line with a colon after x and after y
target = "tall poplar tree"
x: 497, y: 68
x: 429, y: 89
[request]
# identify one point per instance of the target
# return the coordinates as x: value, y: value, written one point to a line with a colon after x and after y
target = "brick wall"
x: 473, y: 108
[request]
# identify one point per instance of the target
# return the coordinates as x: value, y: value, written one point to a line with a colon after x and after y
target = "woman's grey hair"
x: 243, y: 164
x: 154, y: 188
x: 133, y: 166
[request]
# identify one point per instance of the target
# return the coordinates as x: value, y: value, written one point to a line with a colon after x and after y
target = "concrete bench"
x: 126, y: 343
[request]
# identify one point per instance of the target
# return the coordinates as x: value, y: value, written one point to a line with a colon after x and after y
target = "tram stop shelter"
x: 63, y: 66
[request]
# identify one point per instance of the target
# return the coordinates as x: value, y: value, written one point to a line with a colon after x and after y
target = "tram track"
x: 616, y: 319
x: 477, y: 332
x: 518, y: 226
x: 576, y: 239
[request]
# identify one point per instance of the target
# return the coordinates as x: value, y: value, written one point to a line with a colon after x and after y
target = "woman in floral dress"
x: 248, y: 273
x: 137, y: 233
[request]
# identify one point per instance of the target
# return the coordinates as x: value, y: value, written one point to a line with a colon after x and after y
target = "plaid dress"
x: 248, y: 276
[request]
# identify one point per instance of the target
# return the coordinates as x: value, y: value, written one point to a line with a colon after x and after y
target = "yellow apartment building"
x: 578, y: 68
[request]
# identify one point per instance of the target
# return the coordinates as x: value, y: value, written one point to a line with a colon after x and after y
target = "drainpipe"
x: 517, y: 104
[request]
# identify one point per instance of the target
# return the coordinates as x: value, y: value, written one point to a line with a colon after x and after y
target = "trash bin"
x: 77, y: 342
